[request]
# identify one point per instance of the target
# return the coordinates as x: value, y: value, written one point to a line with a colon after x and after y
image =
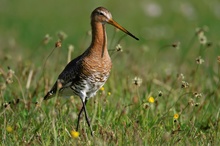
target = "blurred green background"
x: 154, y: 22
x: 24, y: 24
x: 158, y: 24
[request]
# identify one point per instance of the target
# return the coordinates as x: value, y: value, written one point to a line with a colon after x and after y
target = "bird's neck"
x: 99, y: 39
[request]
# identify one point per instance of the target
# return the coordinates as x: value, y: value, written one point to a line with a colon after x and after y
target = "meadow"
x: 163, y: 89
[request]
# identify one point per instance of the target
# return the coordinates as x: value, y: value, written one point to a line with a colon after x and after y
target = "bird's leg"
x: 87, y: 119
x: 79, y: 115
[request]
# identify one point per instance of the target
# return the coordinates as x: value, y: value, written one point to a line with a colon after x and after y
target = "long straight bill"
x: 112, y: 22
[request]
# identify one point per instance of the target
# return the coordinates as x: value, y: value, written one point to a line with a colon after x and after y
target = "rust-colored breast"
x: 95, y: 63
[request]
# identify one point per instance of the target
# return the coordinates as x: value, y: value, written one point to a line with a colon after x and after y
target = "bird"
x: 87, y: 73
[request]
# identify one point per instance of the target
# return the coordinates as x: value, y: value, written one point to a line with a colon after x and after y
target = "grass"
x: 160, y: 91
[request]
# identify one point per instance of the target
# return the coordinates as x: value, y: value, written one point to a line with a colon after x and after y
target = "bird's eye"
x: 100, y: 13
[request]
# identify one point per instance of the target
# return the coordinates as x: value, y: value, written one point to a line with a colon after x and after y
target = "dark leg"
x: 79, y: 116
x: 87, y: 119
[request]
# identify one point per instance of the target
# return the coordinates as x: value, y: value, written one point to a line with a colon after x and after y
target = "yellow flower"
x: 176, y: 116
x: 102, y: 88
x: 74, y: 134
x: 9, y: 129
x: 109, y: 93
x: 151, y: 99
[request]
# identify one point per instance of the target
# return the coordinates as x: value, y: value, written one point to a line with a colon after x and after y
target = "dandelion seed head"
x: 197, y: 95
x: 119, y: 48
x: 62, y: 35
x: 9, y: 81
x: 137, y: 81
x: 145, y: 105
x: 6, y: 104
x: 191, y: 102
x: 47, y: 36
x: 185, y: 84
x: 200, y: 32
x: 160, y: 93
x: 10, y: 73
x: 203, y: 40
x: 46, y: 39
x: 176, y: 45
x: 196, y: 104
x: 58, y: 44
x: 199, y: 60
x: 180, y: 76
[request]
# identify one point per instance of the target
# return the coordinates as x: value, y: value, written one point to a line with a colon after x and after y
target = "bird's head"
x: 103, y: 16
